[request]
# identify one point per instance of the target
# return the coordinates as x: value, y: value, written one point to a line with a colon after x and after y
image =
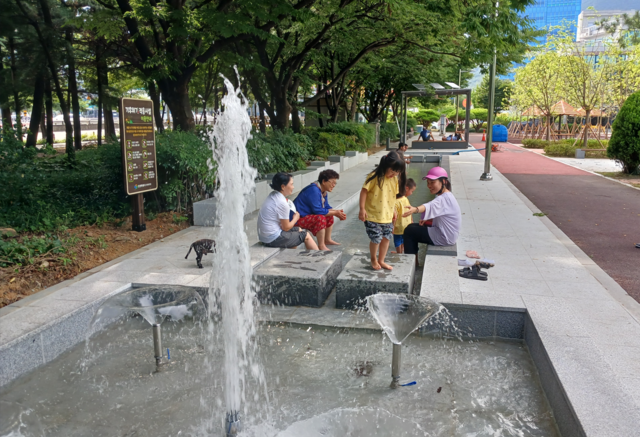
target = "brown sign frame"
x: 138, y: 144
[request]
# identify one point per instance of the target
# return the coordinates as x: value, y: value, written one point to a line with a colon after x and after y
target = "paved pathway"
x: 601, y: 216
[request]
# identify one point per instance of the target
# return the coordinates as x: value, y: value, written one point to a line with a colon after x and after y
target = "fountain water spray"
x: 231, y: 297
x: 399, y: 315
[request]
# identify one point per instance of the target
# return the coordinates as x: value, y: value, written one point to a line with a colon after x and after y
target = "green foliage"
x: 566, y: 148
x: 24, y: 251
x: 534, y: 143
x: 480, y: 95
x: 185, y: 169
x: 365, y: 134
x: 388, y: 130
x: 278, y: 151
x: 49, y: 192
x: 427, y: 116
x: 411, y: 123
x: 328, y: 144
x: 625, y: 139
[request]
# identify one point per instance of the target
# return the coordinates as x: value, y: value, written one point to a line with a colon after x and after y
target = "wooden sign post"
x: 138, y: 140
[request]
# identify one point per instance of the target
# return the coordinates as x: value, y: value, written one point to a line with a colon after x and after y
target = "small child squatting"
x: 377, y: 205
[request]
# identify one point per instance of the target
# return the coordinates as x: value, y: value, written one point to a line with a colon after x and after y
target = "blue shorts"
x: 398, y: 240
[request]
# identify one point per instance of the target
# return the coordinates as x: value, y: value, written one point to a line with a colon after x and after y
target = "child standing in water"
x: 401, y: 222
x: 377, y: 205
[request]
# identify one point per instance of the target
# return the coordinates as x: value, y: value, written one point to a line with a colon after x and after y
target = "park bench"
x: 580, y: 153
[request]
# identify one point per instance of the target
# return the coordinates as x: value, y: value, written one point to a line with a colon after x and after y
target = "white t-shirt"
x: 274, y: 209
x: 447, y: 219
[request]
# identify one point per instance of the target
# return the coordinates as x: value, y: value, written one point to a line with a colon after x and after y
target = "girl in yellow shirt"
x: 377, y: 205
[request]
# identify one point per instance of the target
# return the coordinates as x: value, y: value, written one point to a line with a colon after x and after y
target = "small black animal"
x: 202, y: 247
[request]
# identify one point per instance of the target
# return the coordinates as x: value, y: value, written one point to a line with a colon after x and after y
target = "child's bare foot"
x: 385, y: 266
x: 375, y: 265
x: 324, y: 248
x: 393, y: 251
x: 333, y: 243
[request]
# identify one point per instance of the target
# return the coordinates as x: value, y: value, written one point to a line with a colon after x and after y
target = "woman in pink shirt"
x: 441, y: 218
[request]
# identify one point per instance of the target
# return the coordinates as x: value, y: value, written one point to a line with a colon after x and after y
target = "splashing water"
x: 230, y: 294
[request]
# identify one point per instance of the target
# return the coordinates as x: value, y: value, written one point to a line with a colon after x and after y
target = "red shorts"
x: 315, y: 223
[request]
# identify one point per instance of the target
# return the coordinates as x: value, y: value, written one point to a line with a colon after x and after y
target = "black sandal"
x: 473, y: 272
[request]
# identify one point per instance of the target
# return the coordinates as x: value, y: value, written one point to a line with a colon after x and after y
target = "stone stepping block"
x: 298, y: 277
x: 358, y: 279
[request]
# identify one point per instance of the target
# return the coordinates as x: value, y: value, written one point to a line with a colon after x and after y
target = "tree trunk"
x: 155, y: 97
x: 296, y: 124
x: 282, y: 112
x: 14, y: 86
x: 354, y: 106
x: 548, y: 133
x: 48, y: 104
x: 176, y: 94
x: 43, y: 126
x: 587, y: 125
x: 36, y: 112
x: 73, y: 89
x: 319, y: 108
x: 103, y: 87
x: 5, y: 105
x: 99, y: 133
x: 263, y: 121
x: 98, y: 47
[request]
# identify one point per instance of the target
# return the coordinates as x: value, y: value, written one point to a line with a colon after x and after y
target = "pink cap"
x: 436, y: 173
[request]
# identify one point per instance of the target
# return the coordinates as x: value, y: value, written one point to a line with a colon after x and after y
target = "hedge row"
x: 43, y: 191
x: 567, y: 147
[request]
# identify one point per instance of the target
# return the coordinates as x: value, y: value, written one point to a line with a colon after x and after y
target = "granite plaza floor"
x: 588, y: 324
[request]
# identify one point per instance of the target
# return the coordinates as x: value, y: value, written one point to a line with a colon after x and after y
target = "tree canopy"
x: 289, y: 54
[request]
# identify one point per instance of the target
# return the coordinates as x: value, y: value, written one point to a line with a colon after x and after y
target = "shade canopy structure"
x: 533, y: 111
x: 594, y: 112
x: 437, y: 91
x: 563, y: 108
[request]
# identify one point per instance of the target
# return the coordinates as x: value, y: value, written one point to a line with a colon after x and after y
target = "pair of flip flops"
x: 475, y: 271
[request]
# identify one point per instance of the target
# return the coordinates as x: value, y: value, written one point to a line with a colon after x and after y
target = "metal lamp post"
x: 486, y: 176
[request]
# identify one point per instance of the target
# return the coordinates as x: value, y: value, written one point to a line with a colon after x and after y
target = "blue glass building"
x: 546, y: 13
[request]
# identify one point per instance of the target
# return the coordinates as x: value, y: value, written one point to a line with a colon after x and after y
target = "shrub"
x: 566, y: 148
x: 411, y: 123
x: 186, y: 171
x: 625, y: 138
x: 427, y: 116
x: 560, y: 149
x: 388, y: 130
x: 43, y: 193
x: 365, y: 134
x: 50, y: 192
x: 533, y: 143
x: 279, y: 151
x: 328, y: 143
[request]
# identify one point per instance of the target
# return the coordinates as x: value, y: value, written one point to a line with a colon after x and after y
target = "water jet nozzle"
x: 395, y: 365
x: 157, y: 344
x: 233, y: 425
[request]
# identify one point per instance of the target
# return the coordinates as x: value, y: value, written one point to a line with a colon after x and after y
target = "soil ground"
x: 601, y: 216
x: 88, y: 247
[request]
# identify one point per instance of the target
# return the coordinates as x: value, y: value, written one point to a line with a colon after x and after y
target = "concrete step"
x: 298, y: 277
x: 358, y: 279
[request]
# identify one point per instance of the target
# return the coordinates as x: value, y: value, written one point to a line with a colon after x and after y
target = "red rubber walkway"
x: 601, y: 216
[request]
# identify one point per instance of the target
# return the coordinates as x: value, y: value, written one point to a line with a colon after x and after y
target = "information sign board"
x: 138, y: 139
